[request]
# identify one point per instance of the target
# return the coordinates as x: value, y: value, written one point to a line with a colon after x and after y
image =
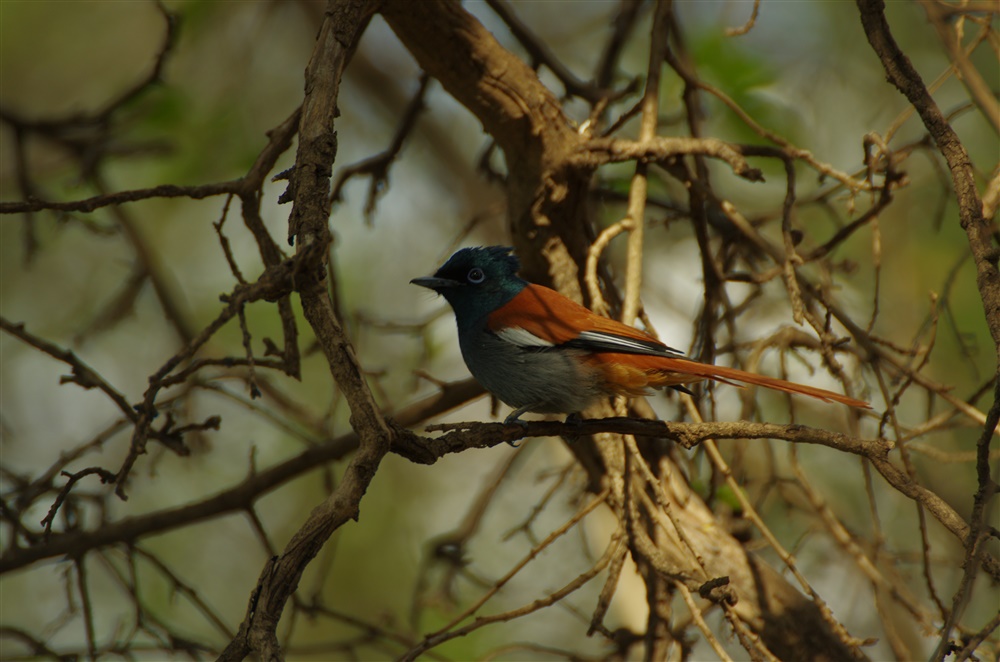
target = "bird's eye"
x: 476, y: 275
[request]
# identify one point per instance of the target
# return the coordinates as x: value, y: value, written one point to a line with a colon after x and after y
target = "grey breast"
x: 547, y: 379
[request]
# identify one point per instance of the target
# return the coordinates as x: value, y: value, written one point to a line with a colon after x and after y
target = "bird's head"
x: 476, y: 281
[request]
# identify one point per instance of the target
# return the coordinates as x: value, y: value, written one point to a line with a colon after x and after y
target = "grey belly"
x: 549, y: 381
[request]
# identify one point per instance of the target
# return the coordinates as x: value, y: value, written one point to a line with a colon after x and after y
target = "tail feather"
x: 662, y: 371
x: 727, y: 374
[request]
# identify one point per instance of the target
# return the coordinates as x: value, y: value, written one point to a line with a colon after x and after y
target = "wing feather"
x: 629, y: 360
x: 550, y: 316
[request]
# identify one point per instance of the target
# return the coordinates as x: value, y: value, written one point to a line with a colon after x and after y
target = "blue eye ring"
x: 475, y: 276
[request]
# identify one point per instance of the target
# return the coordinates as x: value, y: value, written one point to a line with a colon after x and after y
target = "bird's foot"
x: 515, y: 418
x: 573, y: 420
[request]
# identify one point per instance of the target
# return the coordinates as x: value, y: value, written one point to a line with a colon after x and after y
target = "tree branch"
x: 904, y: 76
x: 985, y: 253
x: 601, y: 151
x: 309, y: 188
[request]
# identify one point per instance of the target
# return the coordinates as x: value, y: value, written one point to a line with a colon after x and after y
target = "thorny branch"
x: 309, y: 187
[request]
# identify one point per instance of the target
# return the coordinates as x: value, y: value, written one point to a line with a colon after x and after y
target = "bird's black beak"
x: 435, y: 283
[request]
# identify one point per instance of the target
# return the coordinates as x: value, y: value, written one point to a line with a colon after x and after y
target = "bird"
x: 539, y: 351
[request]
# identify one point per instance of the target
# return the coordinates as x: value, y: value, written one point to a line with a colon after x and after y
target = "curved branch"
x: 234, y: 499
x: 601, y: 151
x: 497, y: 87
x: 541, y: 54
x: 985, y: 253
x: 904, y: 76
x: 461, y: 436
x: 309, y: 188
x: 96, y: 202
x: 979, y: 90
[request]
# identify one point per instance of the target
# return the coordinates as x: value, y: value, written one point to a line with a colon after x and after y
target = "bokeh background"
x: 804, y: 71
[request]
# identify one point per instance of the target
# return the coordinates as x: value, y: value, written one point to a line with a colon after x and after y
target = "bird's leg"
x: 515, y: 417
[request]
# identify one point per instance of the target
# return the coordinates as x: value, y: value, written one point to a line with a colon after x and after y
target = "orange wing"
x: 552, y: 317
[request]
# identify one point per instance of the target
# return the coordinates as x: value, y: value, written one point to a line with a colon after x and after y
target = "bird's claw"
x: 513, y: 419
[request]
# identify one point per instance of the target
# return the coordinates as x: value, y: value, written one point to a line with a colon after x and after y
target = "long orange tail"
x: 724, y: 374
x: 631, y: 374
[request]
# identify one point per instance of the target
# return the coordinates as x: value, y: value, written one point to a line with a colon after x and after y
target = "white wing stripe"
x: 606, y: 339
x: 596, y: 340
x: 522, y: 337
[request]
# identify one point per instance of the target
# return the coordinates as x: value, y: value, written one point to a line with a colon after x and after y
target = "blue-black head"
x: 476, y: 281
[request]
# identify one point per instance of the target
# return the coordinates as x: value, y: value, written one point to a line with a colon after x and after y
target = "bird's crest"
x: 497, y: 260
